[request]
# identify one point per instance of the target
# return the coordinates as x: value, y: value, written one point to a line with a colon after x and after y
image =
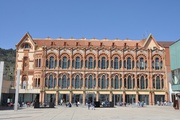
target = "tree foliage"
x: 9, y: 58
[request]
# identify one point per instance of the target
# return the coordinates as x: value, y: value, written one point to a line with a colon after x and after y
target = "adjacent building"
x: 175, y: 69
x: 90, y: 69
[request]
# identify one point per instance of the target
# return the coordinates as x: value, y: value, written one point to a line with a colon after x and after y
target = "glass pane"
x: 90, y: 62
x: 116, y: 63
x: 157, y: 82
x: 50, y: 81
x: 116, y: 82
x: 90, y: 81
x: 129, y: 82
x: 51, y: 62
x: 103, y: 82
x: 77, y: 62
x: 64, y: 65
x: 64, y: 82
x: 142, y: 82
x: 103, y: 63
x: 77, y: 82
x: 157, y: 64
x: 128, y: 63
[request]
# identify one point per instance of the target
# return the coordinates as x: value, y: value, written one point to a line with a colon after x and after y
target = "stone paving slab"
x: 82, y: 113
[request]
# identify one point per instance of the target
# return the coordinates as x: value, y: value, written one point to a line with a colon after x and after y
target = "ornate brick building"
x: 99, y: 70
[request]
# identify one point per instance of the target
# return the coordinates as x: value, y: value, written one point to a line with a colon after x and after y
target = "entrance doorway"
x: 90, y: 97
x: 49, y: 98
x: 117, y: 99
x: 64, y: 97
x: 130, y: 99
x: 144, y: 98
x: 158, y: 99
x: 104, y: 97
x: 77, y: 97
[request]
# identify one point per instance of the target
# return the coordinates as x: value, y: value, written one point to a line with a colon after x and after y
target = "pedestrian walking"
x: 93, y: 106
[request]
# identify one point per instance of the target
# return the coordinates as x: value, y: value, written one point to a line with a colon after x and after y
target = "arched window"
x: 90, y: 81
x: 154, y: 83
x: 94, y: 63
x: 54, y: 82
x: 138, y: 82
x: 64, y: 82
x: 142, y: 82
x: 47, y: 63
x: 146, y: 83
x: 51, y: 64
x: 116, y: 61
x: 68, y: 82
x: 133, y: 83
x: 162, y: 83
x: 120, y: 84
x: 94, y: 82
x: 157, y: 63
x: 81, y: 83
x: 77, y: 81
x: 125, y: 82
x: 129, y: 82
x: 141, y: 63
x: 103, y: 82
x: 99, y: 83
x: 78, y: 63
x: 27, y: 45
x: 161, y: 65
x: 73, y: 82
x: 86, y: 83
x: 64, y: 65
x: 50, y: 81
x: 128, y: 63
x: 124, y: 63
x: 103, y: 61
x: 120, y: 64
x: 116, y: 82
x: 46, y: 82
x: 157, y: 82
x: 107, y: 83
x: 90, y: 62
x: 112, y: 82
x: 59, y: 82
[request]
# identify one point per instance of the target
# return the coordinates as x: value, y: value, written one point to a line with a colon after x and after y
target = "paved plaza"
x: 82, y: 113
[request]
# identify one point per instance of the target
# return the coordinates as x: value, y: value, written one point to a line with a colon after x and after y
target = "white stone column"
x: 1, y: 77
x: 17, y: 90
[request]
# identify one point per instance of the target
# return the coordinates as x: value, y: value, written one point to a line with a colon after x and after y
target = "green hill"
x: 9, y: 58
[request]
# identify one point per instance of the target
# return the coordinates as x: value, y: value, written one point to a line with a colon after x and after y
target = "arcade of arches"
x: 104, y: 79
x: 99, y: 70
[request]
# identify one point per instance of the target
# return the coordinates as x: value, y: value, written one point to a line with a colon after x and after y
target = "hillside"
x: 9, y: 58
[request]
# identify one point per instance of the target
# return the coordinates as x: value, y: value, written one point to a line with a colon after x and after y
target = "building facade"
x: 175, y: 70
x: 96, y: 70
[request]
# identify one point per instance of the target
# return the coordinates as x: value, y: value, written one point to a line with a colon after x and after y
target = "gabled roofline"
x: 148, y: 38
x: 175, y: 42
x: 26, y: 35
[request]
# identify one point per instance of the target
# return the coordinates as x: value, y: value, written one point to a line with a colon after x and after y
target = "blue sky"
x: 132, y: 19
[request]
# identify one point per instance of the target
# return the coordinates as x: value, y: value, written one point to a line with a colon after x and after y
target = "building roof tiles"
x: 84, y: 42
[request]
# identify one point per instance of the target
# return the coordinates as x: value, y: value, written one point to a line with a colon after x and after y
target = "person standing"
x: 61, y: 101
x: 76, y: 103
x: 89, y: 103
x: 93, y: 105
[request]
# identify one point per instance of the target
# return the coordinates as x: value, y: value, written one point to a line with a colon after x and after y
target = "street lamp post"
x: 1, y: 77
x: 17, y: 90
